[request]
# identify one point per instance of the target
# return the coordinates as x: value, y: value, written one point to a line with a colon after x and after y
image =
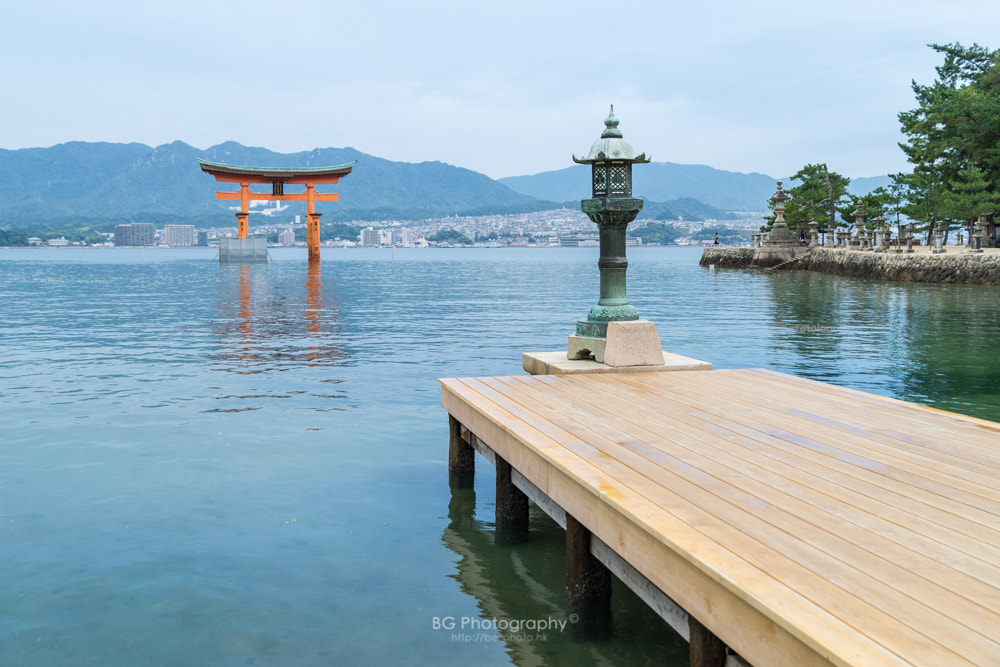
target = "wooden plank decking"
x: 801, y: 523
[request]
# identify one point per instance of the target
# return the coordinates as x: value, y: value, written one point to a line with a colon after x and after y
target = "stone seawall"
x: 728, y: 258
x: 954, y: 266
x: 749, y: 258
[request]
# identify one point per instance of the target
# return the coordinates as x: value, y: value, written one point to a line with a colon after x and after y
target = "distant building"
x: 203, y: 238
x: 136, y: 233
x: 590, y: 241
x: 57, y: 242
x: 578, y: 240
x: 384, y: 237
x: 178, y: 236
x: 369, y: 238
x: 287, y: 238
x: 406, y: 237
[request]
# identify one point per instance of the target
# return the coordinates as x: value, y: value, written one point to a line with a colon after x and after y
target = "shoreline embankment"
x: 953, y: 266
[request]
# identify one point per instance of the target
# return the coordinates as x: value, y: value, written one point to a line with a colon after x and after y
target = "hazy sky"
x: 505, y: 88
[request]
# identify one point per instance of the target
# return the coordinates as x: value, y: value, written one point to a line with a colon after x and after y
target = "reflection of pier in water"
x: 527, y: 582
x: 274, y: 323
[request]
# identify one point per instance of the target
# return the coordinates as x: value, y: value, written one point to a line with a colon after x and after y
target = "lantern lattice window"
x: 600, y: 179
x: 620, y: 181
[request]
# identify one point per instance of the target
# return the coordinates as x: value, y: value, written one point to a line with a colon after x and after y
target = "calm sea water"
x: 246, y: 465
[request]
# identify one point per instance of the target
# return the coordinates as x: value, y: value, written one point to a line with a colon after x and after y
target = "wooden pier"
x: 788, y: 521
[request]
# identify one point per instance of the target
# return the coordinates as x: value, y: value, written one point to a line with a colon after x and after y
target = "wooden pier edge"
x: 719, y: 655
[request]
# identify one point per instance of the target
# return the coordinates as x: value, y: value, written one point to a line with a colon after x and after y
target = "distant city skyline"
x: 503, y: 89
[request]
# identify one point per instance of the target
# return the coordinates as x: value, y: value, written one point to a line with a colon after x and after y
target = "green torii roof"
x: 275, y: 173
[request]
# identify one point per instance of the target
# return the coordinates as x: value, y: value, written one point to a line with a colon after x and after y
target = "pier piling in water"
x: 512, y: 507
x: 588, y: 582
x: 706, y: 650
x: 461, y: 456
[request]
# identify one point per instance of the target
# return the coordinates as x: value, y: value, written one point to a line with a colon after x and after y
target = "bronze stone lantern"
x: 612, y: 208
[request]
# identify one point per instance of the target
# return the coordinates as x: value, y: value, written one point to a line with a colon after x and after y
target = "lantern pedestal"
x: 612, y: 217
x: 632, y: 343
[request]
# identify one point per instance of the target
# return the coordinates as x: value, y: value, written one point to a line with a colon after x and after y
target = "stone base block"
x: 556, y: 363
x: 242, y: 251
x: 584, y: 347
x: 632, y: 344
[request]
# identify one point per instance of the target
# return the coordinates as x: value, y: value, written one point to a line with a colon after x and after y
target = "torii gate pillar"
x: 312, y: 235
x: 243, y: 224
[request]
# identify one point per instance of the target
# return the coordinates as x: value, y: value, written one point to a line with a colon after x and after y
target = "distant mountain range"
x: 122, y: 182
x: 658, y: 181
x: 666, y: 181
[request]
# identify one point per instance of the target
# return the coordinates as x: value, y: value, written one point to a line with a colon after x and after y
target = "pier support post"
x: 588, y: 583
x: 512, y: 507
x: 707, y: 650
x: 461, y: 457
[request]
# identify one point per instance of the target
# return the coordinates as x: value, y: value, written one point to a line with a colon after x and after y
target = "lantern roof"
x: 611, y: 145
x: 780, y: 196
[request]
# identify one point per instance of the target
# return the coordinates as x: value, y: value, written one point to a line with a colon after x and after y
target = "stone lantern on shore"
x: 612, y: 207
x: 978, y: 234
x: 938, y: 242
x: 780, y: 235
x: 859, y: 223
x: 813, y: 233
x: 880, y: 231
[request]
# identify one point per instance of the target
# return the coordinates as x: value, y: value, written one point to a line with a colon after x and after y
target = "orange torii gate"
x: 278, y: 178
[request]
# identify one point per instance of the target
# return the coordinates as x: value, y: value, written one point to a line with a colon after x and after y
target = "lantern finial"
x: 611, y: 126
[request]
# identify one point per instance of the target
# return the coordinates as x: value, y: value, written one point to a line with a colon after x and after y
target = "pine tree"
x: 810, y: 198
x: 953, y: 139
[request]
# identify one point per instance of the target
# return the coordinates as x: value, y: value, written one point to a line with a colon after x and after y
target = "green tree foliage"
x: 953, y: 139
x: 449, y: 236
x: 811, y: 198
x: 921, y: 197
x: 657, y: 232
x: 971, y: 194
x: 13, y: 237
x: 87, y: 231
x: 878, y: 202
x: 336, y: 231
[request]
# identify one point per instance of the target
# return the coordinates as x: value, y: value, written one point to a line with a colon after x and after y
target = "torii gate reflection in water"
x: 278, y: 178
